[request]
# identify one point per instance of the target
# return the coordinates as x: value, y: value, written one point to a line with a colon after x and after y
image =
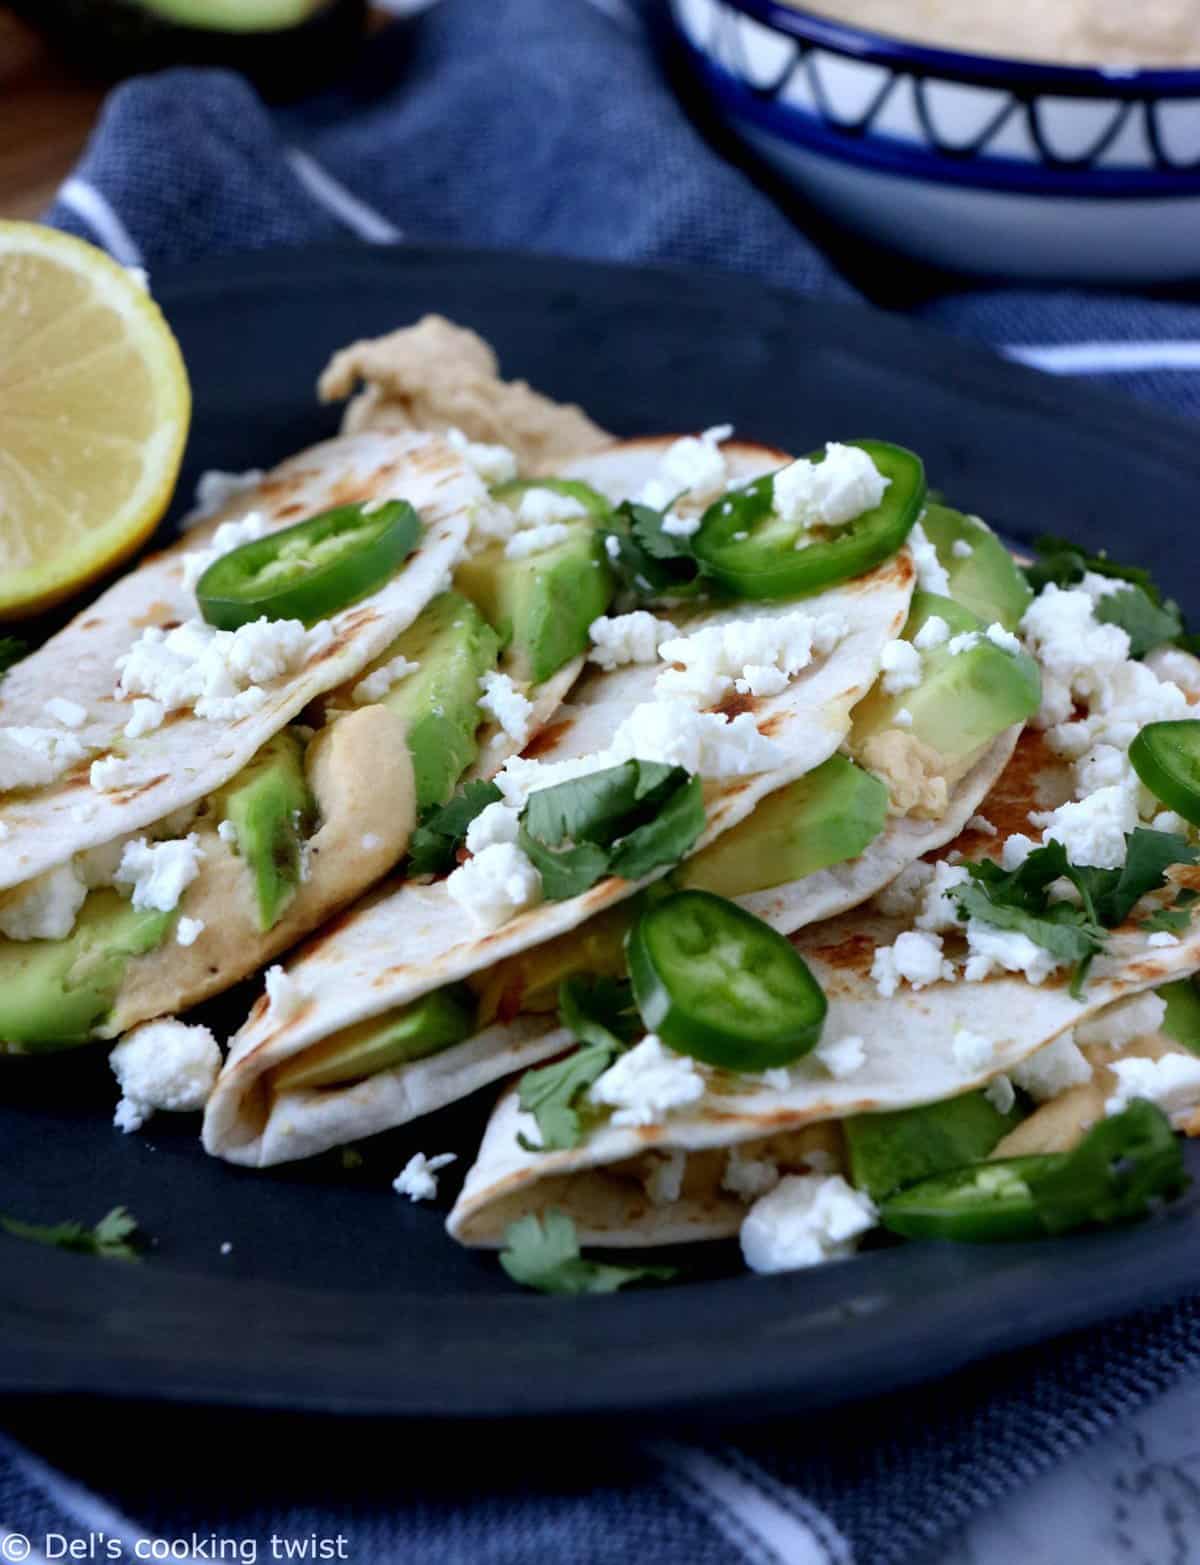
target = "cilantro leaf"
x: 1120, y: 1169
x: 599, y: 1010
x: 543, y: 1253
x: 1113, y: 893
x: 601, y: 1014
x: 434, y: 846
x: 1167, y: 921
x: 646, y: 525
x: 1138, y: 608
x: 11, y: 651
x: 648, y: 562
x: 109, y: 1239
x: 625, y: 820
x: 1059, y: 928
x: 1064, y: 563
x: 1148, y: 624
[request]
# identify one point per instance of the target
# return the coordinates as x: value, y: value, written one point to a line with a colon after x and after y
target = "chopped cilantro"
x: 543, y: 1253
x: 601, y: 1014
x: 110, y: 1238
x: 1166, y: 921
x: 1121, y: 1168
x: 650, y: 563
x: 435, y: 843
x: 1138, y: 608
x: 1148, y: 624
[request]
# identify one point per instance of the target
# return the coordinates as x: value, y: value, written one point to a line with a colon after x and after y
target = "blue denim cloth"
x: 549, y: 125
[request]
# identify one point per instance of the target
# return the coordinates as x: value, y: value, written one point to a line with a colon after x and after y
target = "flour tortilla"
x: 189, y: 757
x: 406, y: 939
x: 910, y: 1059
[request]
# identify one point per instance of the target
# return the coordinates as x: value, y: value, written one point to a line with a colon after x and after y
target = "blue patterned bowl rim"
x: 882, y: 49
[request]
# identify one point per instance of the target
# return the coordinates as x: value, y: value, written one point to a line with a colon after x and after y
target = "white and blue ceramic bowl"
x: 982, y: 164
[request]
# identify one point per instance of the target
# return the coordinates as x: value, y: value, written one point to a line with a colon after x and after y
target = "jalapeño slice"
x: 747, y: 549
x: 311, y: 570
x: 1166, y: 756
x: 979, y: 1204
x: 717, y: 983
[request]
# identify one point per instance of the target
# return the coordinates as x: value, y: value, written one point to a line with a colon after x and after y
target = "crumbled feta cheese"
x: 707, y: 744
x: 961, y: 549
x: 759, y: 680
x: 1103, y: 766
x: 709, y: 660
x: 495, y: 823
x: 805, y: 1220
x: 841, y: 1056
x: 1002, y: 638
x: 628, y: 638
x: 1093, y: 830
x: 963, y: 642
x: 676, y: 526
x: 113, y: 772
x: 1172, y: 1083
x: 981, y: 824
x: 44, y: 908
x: 933, y: 633
x: 1076, y: 652
x: 30, y: 757
x: 159, y: 872
x: 938, y: 911
x: 1015, y: 851
x: 495, y: 884
x: 1053, y: 1068
x: 694, y: 464
x: 931, y: 573
x: 778, y: 1079
x: 163, y: 1065
x: 145, y: 717
x: 662, y: 1178
x: 502, y: 701
x: 748, y: 1177
x: 914, y: 957
x: 612, y: 547
x: 227, y: 832
x: 901, y: 665
x: 220, y: 673
x: 903, y: 898
x: 377, y: 683
x: 418, y: 1178
x: 535, y: 540
x: 545, y: 507
x: 972, y: 1051
x: 903, y: 718
x: 1162, y: 938
x: 189, y: 930
x: 647, y: 1082
x: 991, y: 950
x: 285, y: 997
x: 214, y: 491
x: 1175, y: 667
x: 999, y: 1093
x: 494, y: 464
x: 69, y: 713
x: 229, y: 536
x: 1139, y: 1016
x: 1167, y: 820
x: 829, y: 493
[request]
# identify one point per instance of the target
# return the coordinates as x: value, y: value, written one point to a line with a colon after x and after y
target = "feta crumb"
x: 981, y: 824
x: 219, y: 673
x: 1172, y: 1083
x: 377, y: 684
x: 709, y: 660
x: 215, y: 489
x: 189, y: 930
x: 938, y: 911
x: 748, y: 1177
x: 991, y: 950
x: 935, y: 632
x: 163, y: 1065
x: 145, y: 717
x: 1168, y: 820
x: 494, y: 464
x: 805, y: 1220
x: 1002, y: 638
x: 901, y: 665
x: 778, y: 1079
x: 963, y: 642
x: 505, y: 703
x: 495, y: 885
x: 647, y: 1082
x: 226, y: 1248
x: 961, y: 549
x: 931, y: 573
x: 628, y: 638
x: 707, y: 744
x: 159, y: 872
x: 227, y: 832
x: 69, y: 713
x: 915, y: 957
x: 31, y: 757
x: 495, y: 823
x: 676, y: 526
x: 1015, y: 851
x: 662, y: 1178
x: 285, y: 997
x: 534, y: 540
x: 1139, y: 1016
x: 759, y: 680
x: 612, y: 547
x: 546, y: 507
x: 44, y: 908
x: 829, y: 493
x: 694, y: 464
x: 418, y: 1178
x: 999, y: 1093
x: 1053, y: 1068
x: 972, y: 1051
x: 113, y: 772
x: 1076, y: 652
x: 229, y: 536
x: 1093, y: 830
x: 842, y: 1056
x: 903, y: 718
x: 1162, y: 938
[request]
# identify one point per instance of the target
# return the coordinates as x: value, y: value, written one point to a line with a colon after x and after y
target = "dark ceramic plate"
x: 337, y: 1294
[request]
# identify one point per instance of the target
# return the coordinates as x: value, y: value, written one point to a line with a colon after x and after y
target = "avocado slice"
x: 987, y: 581
x: 54, y: 993
x: 543, y: 604
x: 453, y: 645
x: 964, y: 700
x: 413, y: 1032
x: 824, y: 818
x: 272, y: 810
x: 1182, y: 1021
x: 891, y: 1151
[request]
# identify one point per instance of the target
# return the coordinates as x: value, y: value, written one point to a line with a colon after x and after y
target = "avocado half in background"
x: 286, y: 47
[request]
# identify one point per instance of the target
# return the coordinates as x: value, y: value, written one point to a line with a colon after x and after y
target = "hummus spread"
x: 1064, y: 32
x: 915, y: 773
x: 437, y: 376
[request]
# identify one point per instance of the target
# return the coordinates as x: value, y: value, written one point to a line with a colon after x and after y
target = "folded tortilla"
x: 409, y: 939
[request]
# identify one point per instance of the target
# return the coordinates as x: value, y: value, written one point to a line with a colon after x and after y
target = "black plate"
x: 339, y: 1295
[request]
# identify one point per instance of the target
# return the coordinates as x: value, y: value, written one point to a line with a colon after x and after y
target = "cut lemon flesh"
x: 94, y: 409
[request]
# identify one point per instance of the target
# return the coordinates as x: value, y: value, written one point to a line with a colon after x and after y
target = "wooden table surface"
x: 45, y: 116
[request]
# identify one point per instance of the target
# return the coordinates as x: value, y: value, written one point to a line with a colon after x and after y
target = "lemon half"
x: 94, y: 409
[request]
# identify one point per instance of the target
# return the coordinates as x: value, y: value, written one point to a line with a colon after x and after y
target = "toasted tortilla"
x: 408, y: 939
x: 189, y: 757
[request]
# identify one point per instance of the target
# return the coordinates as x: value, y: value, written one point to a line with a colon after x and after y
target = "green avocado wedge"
x: 984, y: 577
x: 272, y: 810
x: 427, y: 1026
x: 888, y: 1152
